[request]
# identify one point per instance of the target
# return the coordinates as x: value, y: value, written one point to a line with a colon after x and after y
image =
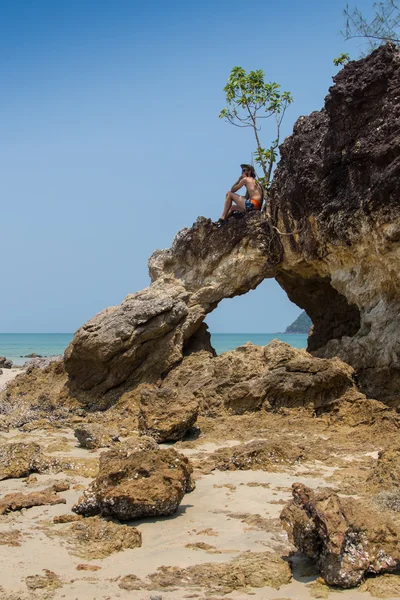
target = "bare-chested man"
x: 252, y: 200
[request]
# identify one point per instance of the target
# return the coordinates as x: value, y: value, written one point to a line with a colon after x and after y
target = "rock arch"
x: 332, y: 244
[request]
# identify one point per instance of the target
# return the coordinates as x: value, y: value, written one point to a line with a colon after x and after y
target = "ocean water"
x: 17, y: 345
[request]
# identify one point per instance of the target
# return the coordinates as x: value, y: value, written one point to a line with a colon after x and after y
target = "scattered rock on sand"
x: 13, y: 537
x: 95, y: 538
x: 5, y: 363
x: 94, y: 435
x: 130, y: 583
x: 250, y: 569
x: 67, y: 518
x: 17, y: 501
x: 87, y: 567
x: 19, y: 460
x: 137, y: 479
x: 345, y: 539
x: 47, y: 581
x: 165, y: 414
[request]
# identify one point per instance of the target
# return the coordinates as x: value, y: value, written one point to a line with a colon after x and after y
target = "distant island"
x: 301, y: 325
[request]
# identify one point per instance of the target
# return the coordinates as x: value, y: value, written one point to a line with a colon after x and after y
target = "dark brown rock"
x: 166, y: 414
x: 346, y: 539
x: 137, y: 480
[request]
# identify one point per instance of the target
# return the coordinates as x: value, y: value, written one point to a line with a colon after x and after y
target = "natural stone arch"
x: 333, y: 244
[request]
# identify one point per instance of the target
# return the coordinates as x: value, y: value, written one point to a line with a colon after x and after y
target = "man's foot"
x: 221, y: 222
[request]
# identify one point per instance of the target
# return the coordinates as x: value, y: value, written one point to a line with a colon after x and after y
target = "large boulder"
x: 136, y: 480
x: 165, y: 414
x: 345, y: 539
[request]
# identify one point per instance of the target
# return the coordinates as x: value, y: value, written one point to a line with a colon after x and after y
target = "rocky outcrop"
x: 254, y: 377
x: 165, y: 414
x: 333, y: 244
x: 256, y: 455
x: 151, y: 330
x: 135, y: 480
x: 345, y: 539
x: 338, y: 187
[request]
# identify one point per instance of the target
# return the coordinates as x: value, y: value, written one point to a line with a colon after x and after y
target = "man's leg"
x: 239, y: 204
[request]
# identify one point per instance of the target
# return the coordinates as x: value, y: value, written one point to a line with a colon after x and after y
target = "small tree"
x: 383, y: 27
x: 249, y: 100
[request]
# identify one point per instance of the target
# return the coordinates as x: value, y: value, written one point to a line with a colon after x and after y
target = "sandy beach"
x: 229, y: 514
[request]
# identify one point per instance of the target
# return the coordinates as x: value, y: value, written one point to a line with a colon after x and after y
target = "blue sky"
x: 111, y: 140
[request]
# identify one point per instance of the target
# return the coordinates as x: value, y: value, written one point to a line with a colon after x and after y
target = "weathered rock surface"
x: 345, y: 539
x: 386, y: 473
x: 336, y: 200
x: 165, y: 414
x: 256, y: 455
x: 39, y: 398
x: 250, y: 569
x: 19, y: 460
x: 338, y: 186
x: 95, y: 538
x: 93, y: 435
x: 253, y: 377
x: 137, y: 479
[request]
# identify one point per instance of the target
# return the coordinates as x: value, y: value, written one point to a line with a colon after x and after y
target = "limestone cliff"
x: 332, y: 244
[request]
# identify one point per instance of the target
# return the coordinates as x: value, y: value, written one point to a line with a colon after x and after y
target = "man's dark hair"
x: 249, y: 168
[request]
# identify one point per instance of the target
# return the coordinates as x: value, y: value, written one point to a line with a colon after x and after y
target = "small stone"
x: 93, y: 436
x: 87, y: 567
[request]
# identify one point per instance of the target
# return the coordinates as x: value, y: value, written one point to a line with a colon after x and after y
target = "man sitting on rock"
x: 251, y: 201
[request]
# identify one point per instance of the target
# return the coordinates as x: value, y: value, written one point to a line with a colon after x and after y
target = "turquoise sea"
x: 17, y: 345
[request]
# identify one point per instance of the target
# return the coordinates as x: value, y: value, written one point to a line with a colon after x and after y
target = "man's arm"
x: 240, y: 183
